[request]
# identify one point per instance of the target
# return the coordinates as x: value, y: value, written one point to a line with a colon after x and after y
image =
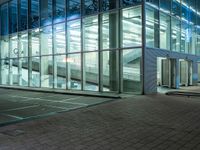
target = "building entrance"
x: 185, y: 72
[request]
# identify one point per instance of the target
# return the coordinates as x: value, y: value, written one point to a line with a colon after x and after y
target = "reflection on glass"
x: 46, y: 40
x: 47, y: 71
x: 90, y: 6
x: 131, y: 27
x: 4, y: 47
x: 74, y: 71
x: 13, y: 16
x: 164, y: 31
x: 176, y: 8
x: 74, y: 9
x: 90, y: 72
x: 46, y: 12
x: 4, y: 19
x: 126, y: 3
x: 59, y: 38
x: 23, y: 44
x: 165, y: 6
x: 35, y: 41
x: 34, y: 13
x: 14, y: 50
x: 110, y: 70
x: 131, y: 70
x: 60, y: 71
x: 74, y: 36
x: 109, y: 4
x: 35, y: 71
x: 90, y: 29
x: 59, y: 11
x: 109, y: 30
x: 23, y: 22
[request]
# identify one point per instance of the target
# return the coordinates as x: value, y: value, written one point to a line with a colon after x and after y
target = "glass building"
x: 115, y: 46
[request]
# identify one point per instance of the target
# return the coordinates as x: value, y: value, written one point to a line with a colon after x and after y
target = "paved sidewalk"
x: 157, y: 122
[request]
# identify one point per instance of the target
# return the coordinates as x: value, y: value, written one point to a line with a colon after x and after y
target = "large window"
x: 152, y: 27
x: 13, y: 16
x: 4, y: 19
x: 59, y: 11
x: 46, y: 12
x: 126, y: 3
x: 46, y: 40
x: 175, y: 34
x: 34, y: 13
x: 23, y: 15
x: 90, y: 32
x: 109, y: 4
x: 74, y: 9
x: 165, y: 31
x: 131, y: 70
x: 131, y: 27
x: 165, y: 5
x: 35, y: 42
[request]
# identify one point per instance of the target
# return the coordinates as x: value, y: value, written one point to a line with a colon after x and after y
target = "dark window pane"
x: 34, y: 13
x: 130, y: 2
x: 165, y: 5
x: 109, y: 4
x: 60, y: 11
x: 4, y: 19
x: 90, y: 6
x: 23, y: 15
x: 74, y: 10
x: 13, y: 16
x: 46, y: 12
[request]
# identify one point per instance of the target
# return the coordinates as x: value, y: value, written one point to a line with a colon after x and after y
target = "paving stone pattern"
x: 156, y: 122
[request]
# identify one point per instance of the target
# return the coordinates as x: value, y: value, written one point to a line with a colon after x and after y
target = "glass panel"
x: 59, y: 11
x: 74, y: 71
x: 198, y: 42
x: 152, y: 32
x: 4, y: 19
x: 74, y: 9
x: 175, y: 37
x: 74, y: 36
x: 165, y: 31
x: 90, y: 30
x: 46, y: 12
x: 109, y: 30
x: 34, y: 13
x: 60, y: 71
x: 23, y: 15
x: 90, y: 6
x: 131, y: 70
x: 110, y: 70
x: 47, y: 71
x: 35, y: 71
x: 14, y: 68
x: 23, y: 44
x: 35, y: 41
x: 176, y: 8
x: 126, y: 3
x: 131, y: 27
x: 46, y: 40
x: 4, y: 47
x: 5, y: 71
x: 154, y: 3
x: 13, y: 16
x: 108, y: 4
x: 14, y: 51
x: 185, y: 37
x: 59, y: 38
x: 23, y: 71
x: 165, y: 5
x: 90, y: 72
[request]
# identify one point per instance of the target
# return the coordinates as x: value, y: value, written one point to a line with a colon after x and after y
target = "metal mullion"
x: 82, y: 46
x: 120, y: 66
x: 66, y: 47
x: 100, y: 60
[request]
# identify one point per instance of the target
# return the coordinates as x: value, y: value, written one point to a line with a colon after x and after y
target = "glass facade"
x: 88, y: 45
x: 177, y: 22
